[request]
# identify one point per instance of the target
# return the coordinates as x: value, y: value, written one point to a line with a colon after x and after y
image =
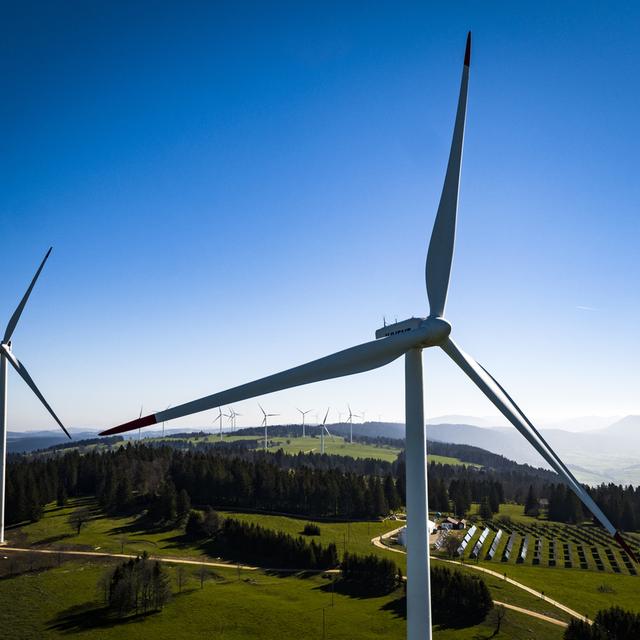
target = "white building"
x: 402, y: 534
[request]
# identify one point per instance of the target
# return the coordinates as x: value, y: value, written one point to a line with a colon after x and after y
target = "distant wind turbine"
x: 219, y: 419
x: 229, y: 417
x: 169, y: 407
x: 264, y: 423
x: 323, y: 430
x: 408, y: 338
x: 7, y: 356
x: 350, y: 421
x: 139, y: 429
x: 304, y: 413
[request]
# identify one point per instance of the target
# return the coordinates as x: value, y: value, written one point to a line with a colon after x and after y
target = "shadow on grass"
x: 350, y: 590
x: 397, y: 607
x: 88, y: 616
x: 142, y: 524
x: 52, y: 539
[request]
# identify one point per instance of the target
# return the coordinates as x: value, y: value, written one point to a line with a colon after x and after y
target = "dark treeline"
x: 151, y: 477
x: 458, y: 599
x: 369, y: 575
x: 620, y: 504
x: 143, y: 477
x: 250, y: 542
x: 609, y: 624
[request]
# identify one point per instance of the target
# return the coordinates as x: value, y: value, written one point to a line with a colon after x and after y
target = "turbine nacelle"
x: 428, y: 332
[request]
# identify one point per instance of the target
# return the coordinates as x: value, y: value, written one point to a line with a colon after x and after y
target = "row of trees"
x: 458, y: 599
x: 609, y: 624
x: 167, y: 482
x: 369, y: 575
x: 250, y: 542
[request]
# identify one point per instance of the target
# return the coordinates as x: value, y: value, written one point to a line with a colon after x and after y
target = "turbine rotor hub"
x: 438, y: 331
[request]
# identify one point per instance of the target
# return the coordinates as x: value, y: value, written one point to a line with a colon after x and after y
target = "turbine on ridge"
x: 408, y: 338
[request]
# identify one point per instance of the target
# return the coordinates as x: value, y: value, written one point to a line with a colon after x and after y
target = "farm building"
x: 402, y: 534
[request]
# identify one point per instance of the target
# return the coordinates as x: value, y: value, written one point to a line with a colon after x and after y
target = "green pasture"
x: 64, y: 601
x: 114, y: 534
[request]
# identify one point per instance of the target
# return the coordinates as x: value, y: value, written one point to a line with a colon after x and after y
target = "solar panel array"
x: 466, y: 539
x: 478, y: 546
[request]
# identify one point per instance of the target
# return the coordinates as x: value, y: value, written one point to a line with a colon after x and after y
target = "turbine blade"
x: 24, y: 374
x: 326, y: 415
x: 13, y: 321
x: 510, y: 410
x: 359, y: 359
x: 440, y: 254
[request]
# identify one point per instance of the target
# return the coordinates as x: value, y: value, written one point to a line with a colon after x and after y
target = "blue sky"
x: 236, y: 188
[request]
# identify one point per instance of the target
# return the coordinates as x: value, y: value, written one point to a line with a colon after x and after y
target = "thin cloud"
x: 583, y: 308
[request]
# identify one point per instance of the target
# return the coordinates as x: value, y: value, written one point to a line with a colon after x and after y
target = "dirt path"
x: 127, y: 556
x: 378, y: 542
x: 533, y: 614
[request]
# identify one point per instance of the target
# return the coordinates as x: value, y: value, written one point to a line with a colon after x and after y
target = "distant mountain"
x: 25, y: 441
x: 473, y: 421
x: 580, y: 424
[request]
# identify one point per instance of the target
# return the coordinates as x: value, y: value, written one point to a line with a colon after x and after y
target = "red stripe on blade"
x: 130, y: 426
x: 623, y: 543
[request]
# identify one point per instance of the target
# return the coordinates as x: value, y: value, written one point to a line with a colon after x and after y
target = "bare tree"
x: 498, y: 615
x: 122, y: 540
x: 79, y: 518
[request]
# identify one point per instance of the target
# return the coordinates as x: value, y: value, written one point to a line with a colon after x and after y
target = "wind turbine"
x: 6, y: 356
x: 408, y: 338
x: 350, y: 421
x: 234, y: 415
x: 264, y: 423
x: 219, y: 419
x: 229, y: 416
x: 304, y: 413
x: 140, y: 429
x: 322, y: 431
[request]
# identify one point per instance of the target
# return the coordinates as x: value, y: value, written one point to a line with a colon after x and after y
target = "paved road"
x: 378, y: 542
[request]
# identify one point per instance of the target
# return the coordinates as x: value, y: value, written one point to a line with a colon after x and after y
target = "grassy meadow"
x: 65, y: 600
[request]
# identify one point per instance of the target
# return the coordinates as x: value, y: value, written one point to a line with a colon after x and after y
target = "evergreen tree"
x: 486, y: 512
x: 531, y: 503
x: 183, y: 505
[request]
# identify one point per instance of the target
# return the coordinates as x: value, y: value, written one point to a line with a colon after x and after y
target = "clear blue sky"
x: 236, y: 188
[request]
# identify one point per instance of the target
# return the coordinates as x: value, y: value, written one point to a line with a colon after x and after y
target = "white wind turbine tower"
x: 350, y: 421
x: 219, y: 419
x: 7, y: 356
x: 304, y: 413
x: 408, y: 338
x: 229, y: 417
x: 169, y: 407
x: 234, y: 415
x: 323, y: 430
x: 264, y: 423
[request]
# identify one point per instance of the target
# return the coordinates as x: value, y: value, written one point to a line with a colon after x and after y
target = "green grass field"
x: 109, y: 534
x: 64, y: 601
x: 333, y: 446
x: 116, y: 534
